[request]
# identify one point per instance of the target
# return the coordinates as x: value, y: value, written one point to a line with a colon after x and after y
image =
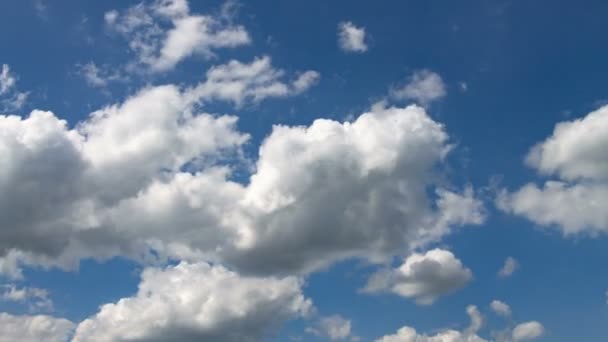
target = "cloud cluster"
x: 34, y: 328
x: 198, y: 302
x: 37, y: 299
x: 575, y: 202
x: 526, y: 331
x: 351, y: 38
x: 114, y: 183
x: 162, y: 33
x: 423, y: 277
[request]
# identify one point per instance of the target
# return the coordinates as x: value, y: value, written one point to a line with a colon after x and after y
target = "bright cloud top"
x: 194, y: 302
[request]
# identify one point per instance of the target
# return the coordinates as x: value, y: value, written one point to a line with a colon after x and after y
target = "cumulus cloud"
x: 500, y: 308
x: 148, y: 179
x: 527, y: 331
x: 34, y: 328
x: 522, y: 332
x: 351, y: 38
x: 195, y: 302
x: 575, y: 201
x: 239, y: 82
x: 510, y: 266
x: 10, y: 98
x: 164, y: 32
x: 409, y: 334
x: 335, y: 328
x: 423, y: 277
x: 37, y: 299
x: 423, y: 86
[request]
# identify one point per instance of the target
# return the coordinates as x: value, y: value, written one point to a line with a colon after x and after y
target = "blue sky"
x: 303, y: 171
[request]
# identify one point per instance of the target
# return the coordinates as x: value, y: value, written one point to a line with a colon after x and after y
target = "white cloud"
x: 423, y: 277
x: 161, y: 48
x: 98, y: 76
x: 522, y: 332
x: 148, y: 179
x: 35, y: 298
x: 527, y: 331
x: 10, y: 98
x: 240, y: 82
x: 408, y: 334
x: 194, y: 302
x: 575, y: 201
x: 351, y: 38
x: 501, y: 308
x: 423, y: 86
x: 510, y: 266
x: 34, y: 328
x: 335, y: 328
x: 7, y: 80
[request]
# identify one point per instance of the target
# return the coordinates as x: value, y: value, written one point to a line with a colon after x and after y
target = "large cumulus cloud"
x: 576, y: 159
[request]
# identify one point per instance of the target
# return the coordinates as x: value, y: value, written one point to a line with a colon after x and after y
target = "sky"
x: 403, y: 171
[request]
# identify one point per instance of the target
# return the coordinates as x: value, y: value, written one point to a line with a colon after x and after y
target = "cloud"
x: 34, y: 328
x: 527, y: 331
x: 98, y: 76
x: 194, y: 302
x: 511, y: 265
x: 351, y: 38
x: 162, y: 33
x: 574, y: 202
x: 37, y: 299
x: 335, y: 328
x: 150, y: 179
x: 7, y: 80
x: 409, y: 334
x: 500, y: 308
x: 522, y: 332
x: 423, y: 86
x: 423, y: 277
x: 241, y: 82
x: 10, y: 98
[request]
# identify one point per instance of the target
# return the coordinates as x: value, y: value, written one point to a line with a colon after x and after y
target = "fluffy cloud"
x: 10, y: 97
x: 351, y: 38
x: 334, y: 327
x: 194, y: 302
x: 527, y: 331
x: 408, y: 334
x: 34, y: 328
x: 148, y: 178
x: 510, y: 266
x: 423, y: 86
x: 239, y: 82
x: 522, y: 332
x: 423, y: 277
x: 500, y: 308
x: 164, y: 32
x: 37, y: 299
x: 575, y: 201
